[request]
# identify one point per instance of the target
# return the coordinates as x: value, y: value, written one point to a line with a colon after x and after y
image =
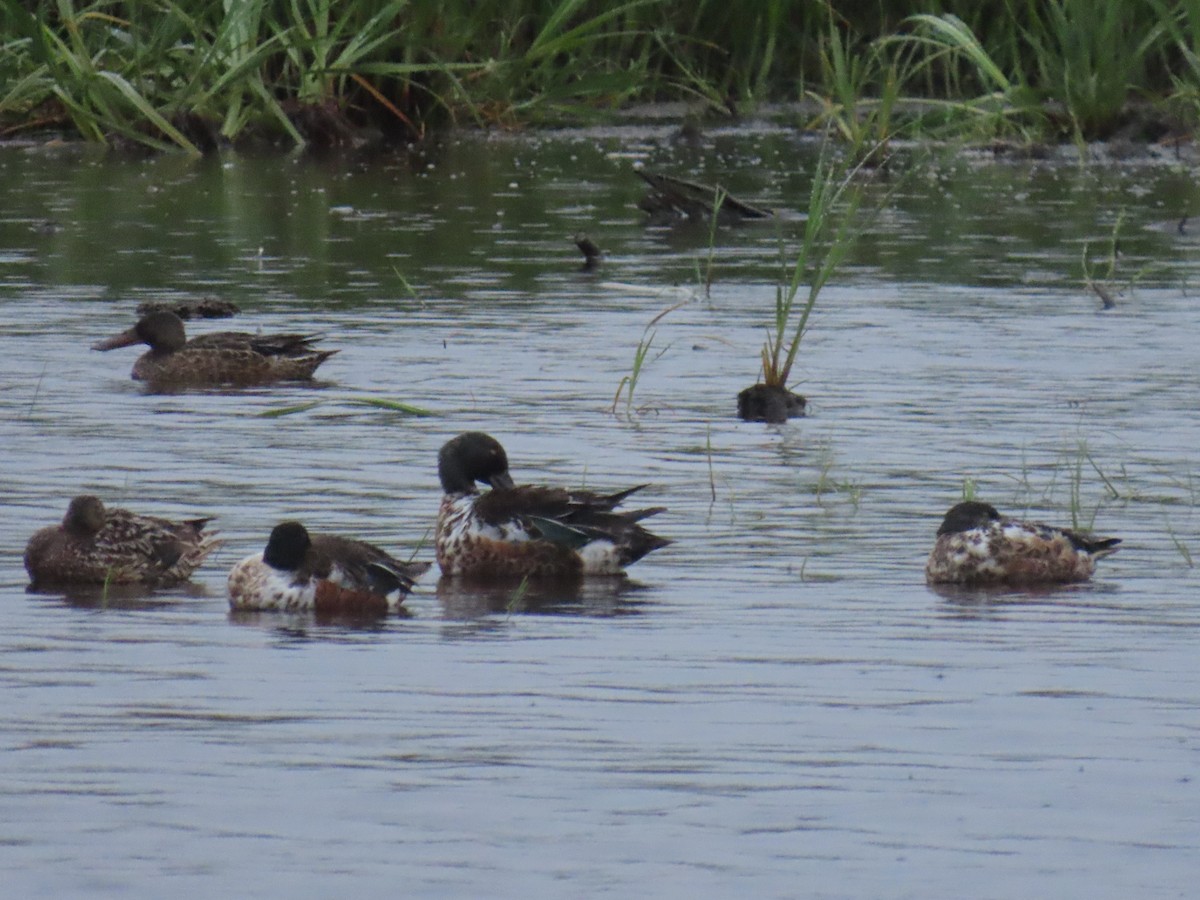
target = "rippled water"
x: 776, y: 705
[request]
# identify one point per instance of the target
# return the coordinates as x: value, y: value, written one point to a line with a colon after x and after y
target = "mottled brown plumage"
x: 219, y: 358
x: 99, y: 545
x: 204, y: 308
x: 978, y: 546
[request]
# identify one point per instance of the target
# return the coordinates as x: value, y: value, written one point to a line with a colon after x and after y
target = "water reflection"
x: 119, y: 596
x: 309, y: 625
x: 601, y: 596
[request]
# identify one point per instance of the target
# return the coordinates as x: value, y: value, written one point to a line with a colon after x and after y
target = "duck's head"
x: 473, y: 457
x: 85, y: 515
x: 161, y: 330
x: 967, y: 515
x: 287, y: 546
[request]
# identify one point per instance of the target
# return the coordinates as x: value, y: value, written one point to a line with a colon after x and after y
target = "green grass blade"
x: 394, y: 406
x: 289, y: 410
x: 149, y: 112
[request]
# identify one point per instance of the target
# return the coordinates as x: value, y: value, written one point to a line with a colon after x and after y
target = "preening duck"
x: 516, y: 531
x: 324, y: 573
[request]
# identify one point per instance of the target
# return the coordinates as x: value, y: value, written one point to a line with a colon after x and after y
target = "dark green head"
x: 287, y: 546
x: 472, y: 456
x: 967, y: 515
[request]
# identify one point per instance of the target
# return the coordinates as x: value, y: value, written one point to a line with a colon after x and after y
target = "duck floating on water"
x: 322, y: 573
x: 219, y: 358
x: 518, y: 531
x: 96, y: 544
x: 978, y: 546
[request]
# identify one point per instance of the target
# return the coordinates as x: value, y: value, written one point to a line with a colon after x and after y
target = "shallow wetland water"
x: 774, y: 706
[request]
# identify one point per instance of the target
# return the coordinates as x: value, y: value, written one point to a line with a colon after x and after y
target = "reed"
x: 824, y: 245
x: 1087, y: 56
x: 193, y: 74
x: 628, y: 383
x: 706, y: 277
x: 860, y: 88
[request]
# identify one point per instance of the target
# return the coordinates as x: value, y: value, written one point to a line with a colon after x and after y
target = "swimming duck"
x: 223, y: 357
x: 978, y: 546
x: 528, y: 531
x: 323, y: 573
x: 98, y: 545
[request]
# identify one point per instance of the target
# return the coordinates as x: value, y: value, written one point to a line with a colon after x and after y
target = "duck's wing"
x: 1091, y: 544
x: 361, y: 565
x: 572, y: 518
x: 262, y: 344
x: 164, y: 548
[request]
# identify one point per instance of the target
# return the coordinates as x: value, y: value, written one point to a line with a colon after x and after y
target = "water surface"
x: 776, y: 705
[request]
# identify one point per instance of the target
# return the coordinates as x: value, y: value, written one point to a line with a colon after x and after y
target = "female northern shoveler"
x: 527, y: 531
x: 321, y: 572
x: 978, y: 546
x: 223, y: 357
x: 95, y: 545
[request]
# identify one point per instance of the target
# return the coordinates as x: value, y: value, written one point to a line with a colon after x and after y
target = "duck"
x: 96, y: 544
x: 978, y: 546
x: 529, y: 531
x: 219, y: 358
x: 322, y: 573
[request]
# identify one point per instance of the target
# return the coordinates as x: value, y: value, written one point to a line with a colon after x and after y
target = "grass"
x: 193, y: 75
x: 718, y: 202
x: 1102, y: 279
x: 1180, y: 547
x: 1073, y: 469
x: 516, y: 600
x: 383, y: 403
x: 628, y: 383
x: 824, y: 245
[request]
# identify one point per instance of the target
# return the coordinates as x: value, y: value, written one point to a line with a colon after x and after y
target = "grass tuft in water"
x: 628, y: 383
x: 718, y: 202
x: 516, y: 599
x: 1102, y: 280
x: 824, y: 246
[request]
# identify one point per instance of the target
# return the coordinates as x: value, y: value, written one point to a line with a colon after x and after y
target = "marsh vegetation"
x: 198, y: 74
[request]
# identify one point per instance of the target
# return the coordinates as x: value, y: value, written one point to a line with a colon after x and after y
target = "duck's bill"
x: 124, y: 339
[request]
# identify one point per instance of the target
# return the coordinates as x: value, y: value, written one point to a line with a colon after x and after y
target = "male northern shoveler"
x: 978, y: 546
x: 97, y: 545
x: 323, y: 573
x: 527, y: 531
x: 223, y: 357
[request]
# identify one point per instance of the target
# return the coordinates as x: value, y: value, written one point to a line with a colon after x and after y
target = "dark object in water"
x: 673, y: 198
x: 769, y: 403
x: 591, y: 253
x: 204, y: 308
